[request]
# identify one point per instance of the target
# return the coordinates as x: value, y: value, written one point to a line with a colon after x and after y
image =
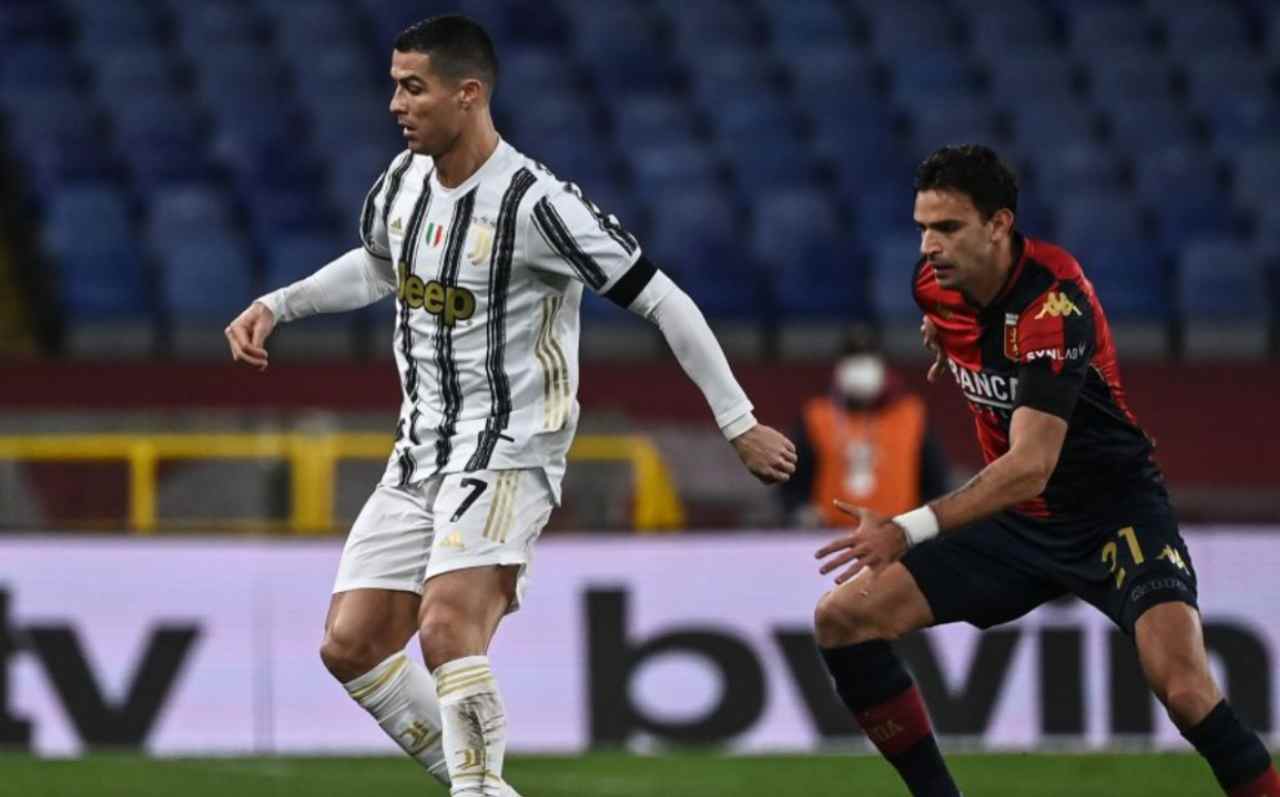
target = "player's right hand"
x: 248, y: 335
x: 929, y: 334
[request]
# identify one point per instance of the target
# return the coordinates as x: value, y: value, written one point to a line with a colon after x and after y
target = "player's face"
x: 955, y: 240
x: 426, y: 105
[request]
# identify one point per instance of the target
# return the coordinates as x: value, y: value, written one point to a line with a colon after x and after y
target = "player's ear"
x: 1001, y: 224
x: 470, y: 91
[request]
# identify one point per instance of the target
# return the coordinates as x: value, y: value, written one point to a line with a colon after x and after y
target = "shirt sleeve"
x: 1053, y: 342
x: 373, y: 212
x: 569, y: 236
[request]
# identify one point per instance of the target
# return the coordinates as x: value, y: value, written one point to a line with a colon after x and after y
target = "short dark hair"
x: 973, y: 170
x: 459, y: 47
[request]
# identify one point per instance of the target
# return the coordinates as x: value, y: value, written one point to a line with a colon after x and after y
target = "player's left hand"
x: 874, y: 544
x: 767, y: 453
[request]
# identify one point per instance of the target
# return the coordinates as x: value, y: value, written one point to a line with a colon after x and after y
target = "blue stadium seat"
x: 811, y: 23
x: 38, y: 66
x: 818, y: 70
x: 534, y: 69
x: 1222, y: 281
x: 1102, y: 215
x: 1129, y: 278
x: 1256, y: 171
x: 1204, y: 26
x: 663, y: 168
x: 54, y: 162
x: 697, y: 235
x: 915, y: 78
x: 892, y: 261
x: 1240, y: 122
x: 351, y: 176
x: 277, y: 210
x: 945, y: 120
x: 766, y: 159
x: 1018, y: 28
x: 292, y: 257
x: 1083, y: 167
x: 885, y: 213
x: 717, y: 74
x: 1118, y: 77
x: 655, y: 118
x: 185, y: 212
x: 1109, y: 27
x: 1143, y: 125
x: 204, y: 26
x: 1173, y: 171
x: 903, y: 27
x: 88, y: 230
x: 92, y: 215
x: 32, y: 115
x: 1184, y: 218
x: 1040, y: 131
x: 1239, y: 74
x: 810, y: 264
x: 1044, y: 75
x: 575, y: 158
x: 208, y: 279
x: 28, y: 21
x: 123, y: 75
x: 125, y: 25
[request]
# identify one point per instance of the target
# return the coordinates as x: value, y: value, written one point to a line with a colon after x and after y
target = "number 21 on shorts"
x: 1111, y: 553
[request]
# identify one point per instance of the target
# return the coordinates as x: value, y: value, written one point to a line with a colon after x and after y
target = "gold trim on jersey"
x: 498, y: 523
x: 555, y: 368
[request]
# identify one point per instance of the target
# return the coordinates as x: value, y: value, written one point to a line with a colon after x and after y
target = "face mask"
x: 860, y: 378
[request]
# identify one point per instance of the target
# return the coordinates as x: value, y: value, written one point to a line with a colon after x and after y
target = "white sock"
x: 401, y: 696
x: 474, y: 726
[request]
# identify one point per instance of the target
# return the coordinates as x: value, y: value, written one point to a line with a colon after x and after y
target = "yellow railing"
x: 313, y: 461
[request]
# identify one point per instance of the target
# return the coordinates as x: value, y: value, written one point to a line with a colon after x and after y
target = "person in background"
x: 867, y: 442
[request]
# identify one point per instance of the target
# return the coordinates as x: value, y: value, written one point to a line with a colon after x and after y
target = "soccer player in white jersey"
x: 488, y: 254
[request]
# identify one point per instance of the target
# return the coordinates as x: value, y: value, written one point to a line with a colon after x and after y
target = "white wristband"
x: 919, y: 524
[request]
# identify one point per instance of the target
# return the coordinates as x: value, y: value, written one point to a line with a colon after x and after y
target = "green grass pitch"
x: 603, y: 775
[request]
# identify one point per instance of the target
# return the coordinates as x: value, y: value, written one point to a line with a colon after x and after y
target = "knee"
x: 836, y: 625
x: 1188, y: 697
x: 347, y: 655
x: 442, y: 633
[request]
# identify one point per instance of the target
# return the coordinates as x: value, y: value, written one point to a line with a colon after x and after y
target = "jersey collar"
x: 994, y: 307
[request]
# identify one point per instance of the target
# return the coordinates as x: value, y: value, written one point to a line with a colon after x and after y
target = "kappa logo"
x: 481, y: 243
x: 1174, y: 557
x: 1057, y: 305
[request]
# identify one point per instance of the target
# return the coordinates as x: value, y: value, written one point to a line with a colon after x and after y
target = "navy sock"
x: 884, y: 700
x: 1235, y: 754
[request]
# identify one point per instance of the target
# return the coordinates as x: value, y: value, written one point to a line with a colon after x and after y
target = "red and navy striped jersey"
x: 1044, y: 343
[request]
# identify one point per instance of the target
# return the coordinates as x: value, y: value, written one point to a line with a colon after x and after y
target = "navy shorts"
x: 1000, y: 568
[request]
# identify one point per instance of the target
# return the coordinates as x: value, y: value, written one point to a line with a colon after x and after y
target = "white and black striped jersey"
x: 489, y: 277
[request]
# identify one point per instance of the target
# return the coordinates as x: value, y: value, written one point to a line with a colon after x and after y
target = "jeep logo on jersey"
x: 1057, y: 305
x: 481, y: 243
x: 450, y: 303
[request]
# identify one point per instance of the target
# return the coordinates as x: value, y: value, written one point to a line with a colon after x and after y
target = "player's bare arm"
x: 767, y: 453
x: 248, y: 333
x: 1018, y: 475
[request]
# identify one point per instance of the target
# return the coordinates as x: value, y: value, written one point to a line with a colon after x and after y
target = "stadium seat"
x: 1130, y: 279
x: 1044, y: 75
x: 121, y: 25
x: 292, y: 257
x: 1082, y: 167
x: 910, y: 27
x: 1118, y: 27
x: 766, y: 160
x: 886, y: 214
x: 1140, y: 126
x: 103, y: 282
x: 97, y: 215
x: 1256, y: 170
x: 54, y: 162
x: 697, y: 236
x: 664, y: 168
x: 1041, y: 130
x: 1234, y: 74
x: 810, y: 265
x: 1018, y: 28
x: 208, y: 280
x: 1101, y: 215
x: 805, y: 24
x: 1224, y: 300
x: 38, y: 66
x: 185, y: 212
x: 914, y: 79
x: 892, y: 261
x: 29, y: 21
x: 1241, y: 122
x: 1118, y: 77
x: 946, y: 120
x: 1177, y: 170
x: 654, y: 118
x: 1204, y: 26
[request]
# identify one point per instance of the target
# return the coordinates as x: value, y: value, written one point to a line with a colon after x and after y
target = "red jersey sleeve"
x: 1052, y: 341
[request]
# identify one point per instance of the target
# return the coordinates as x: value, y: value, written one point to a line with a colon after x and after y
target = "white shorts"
x: 406, y: 535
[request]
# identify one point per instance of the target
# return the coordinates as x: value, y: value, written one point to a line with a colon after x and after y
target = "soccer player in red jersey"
x: 1070, y: 500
